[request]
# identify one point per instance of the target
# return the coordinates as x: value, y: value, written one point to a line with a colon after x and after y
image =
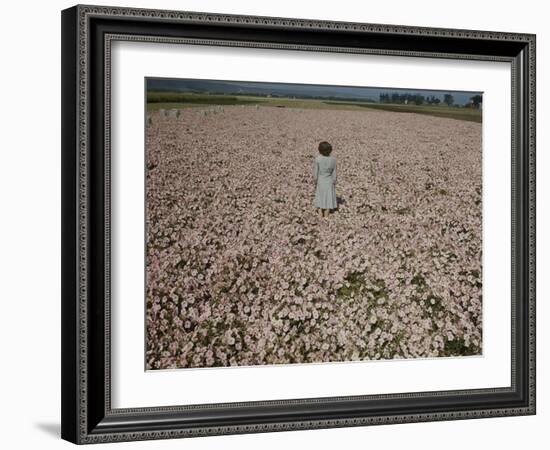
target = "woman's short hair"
x: 325, y: 148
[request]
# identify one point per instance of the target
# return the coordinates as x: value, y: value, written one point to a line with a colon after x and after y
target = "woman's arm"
x: 315, y: 171
x: 333, y: 175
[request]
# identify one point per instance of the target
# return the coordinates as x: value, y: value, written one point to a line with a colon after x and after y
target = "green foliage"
x: 457, y: 347
x: 180, y: 97
x: 448, y: 99
x: 353, y: 284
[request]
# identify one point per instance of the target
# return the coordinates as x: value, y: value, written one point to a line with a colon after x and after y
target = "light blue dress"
x: 324, y: 173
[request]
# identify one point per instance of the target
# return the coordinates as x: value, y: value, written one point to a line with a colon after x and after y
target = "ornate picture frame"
x: 88, y: 33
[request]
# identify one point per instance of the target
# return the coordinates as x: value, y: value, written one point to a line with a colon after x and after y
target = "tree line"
x: 418, y: 99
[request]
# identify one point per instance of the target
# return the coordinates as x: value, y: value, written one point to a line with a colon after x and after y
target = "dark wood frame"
x: 87, y: 31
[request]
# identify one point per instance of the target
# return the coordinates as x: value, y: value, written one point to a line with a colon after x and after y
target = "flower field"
x: 242, y: 270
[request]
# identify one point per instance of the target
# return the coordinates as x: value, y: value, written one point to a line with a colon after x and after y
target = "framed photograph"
x: 276, y: 224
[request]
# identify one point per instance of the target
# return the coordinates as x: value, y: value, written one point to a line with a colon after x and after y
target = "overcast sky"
x: 292, y: 89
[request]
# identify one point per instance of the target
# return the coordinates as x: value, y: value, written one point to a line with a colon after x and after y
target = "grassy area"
x: 470, y: 114
x: 200, y: 99
x: 157, y: 100
x: 167, y: 100
x: 172, y: 105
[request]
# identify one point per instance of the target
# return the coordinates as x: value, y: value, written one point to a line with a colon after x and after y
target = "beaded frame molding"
x: 87, y: 34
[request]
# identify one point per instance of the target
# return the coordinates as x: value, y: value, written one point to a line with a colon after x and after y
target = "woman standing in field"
x: 324, y: 174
